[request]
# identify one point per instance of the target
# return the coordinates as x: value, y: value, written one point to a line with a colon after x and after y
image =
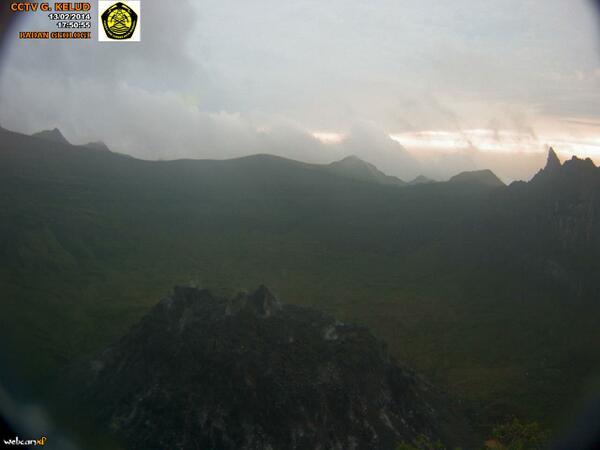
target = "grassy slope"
x: 92, y: 240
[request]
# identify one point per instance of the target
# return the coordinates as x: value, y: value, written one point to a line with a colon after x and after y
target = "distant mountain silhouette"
x: 421, y: 179
x: 53, y: 135
x: 477, y: 177
x: 357, y: 169
x: 98, y: 145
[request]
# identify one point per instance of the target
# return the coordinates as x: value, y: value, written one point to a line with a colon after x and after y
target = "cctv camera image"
x: 300, y: 225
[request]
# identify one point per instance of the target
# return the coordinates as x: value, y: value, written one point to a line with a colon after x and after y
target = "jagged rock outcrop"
x: 558, y: 222
x: 552, y: 163
x: 570, y: 194
x: 201, y: 372
x: 584, y: 171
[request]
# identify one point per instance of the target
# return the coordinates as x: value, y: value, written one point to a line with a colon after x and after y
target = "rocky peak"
x: 576, y: 170
x: 552, y: 162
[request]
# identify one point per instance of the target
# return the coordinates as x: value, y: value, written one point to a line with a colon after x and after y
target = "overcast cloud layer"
x: 412, y: 86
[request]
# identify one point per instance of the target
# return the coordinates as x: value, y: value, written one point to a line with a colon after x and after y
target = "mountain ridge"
x: 351, y: 167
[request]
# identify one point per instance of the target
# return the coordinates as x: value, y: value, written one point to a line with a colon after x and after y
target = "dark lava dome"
x: 201, y: 372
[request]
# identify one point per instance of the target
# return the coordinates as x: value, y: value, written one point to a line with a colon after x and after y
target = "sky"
x: 413, y: 86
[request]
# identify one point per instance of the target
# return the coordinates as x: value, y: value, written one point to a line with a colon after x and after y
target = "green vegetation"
x: 511, y: 435
x: 515, y: 435
x: 479, y: 288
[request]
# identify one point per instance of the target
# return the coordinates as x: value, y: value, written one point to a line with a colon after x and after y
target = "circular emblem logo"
x: 119, y: 21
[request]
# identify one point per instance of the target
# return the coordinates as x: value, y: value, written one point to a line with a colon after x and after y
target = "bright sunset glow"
x: 503, y: 141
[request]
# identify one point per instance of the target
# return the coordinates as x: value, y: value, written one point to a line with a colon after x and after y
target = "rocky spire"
x: 552, y: 163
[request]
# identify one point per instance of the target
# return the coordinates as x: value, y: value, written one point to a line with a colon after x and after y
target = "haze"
x: 414, y: 87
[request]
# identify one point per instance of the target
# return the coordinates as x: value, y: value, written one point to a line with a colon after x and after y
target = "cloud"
x: 161, y: 125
